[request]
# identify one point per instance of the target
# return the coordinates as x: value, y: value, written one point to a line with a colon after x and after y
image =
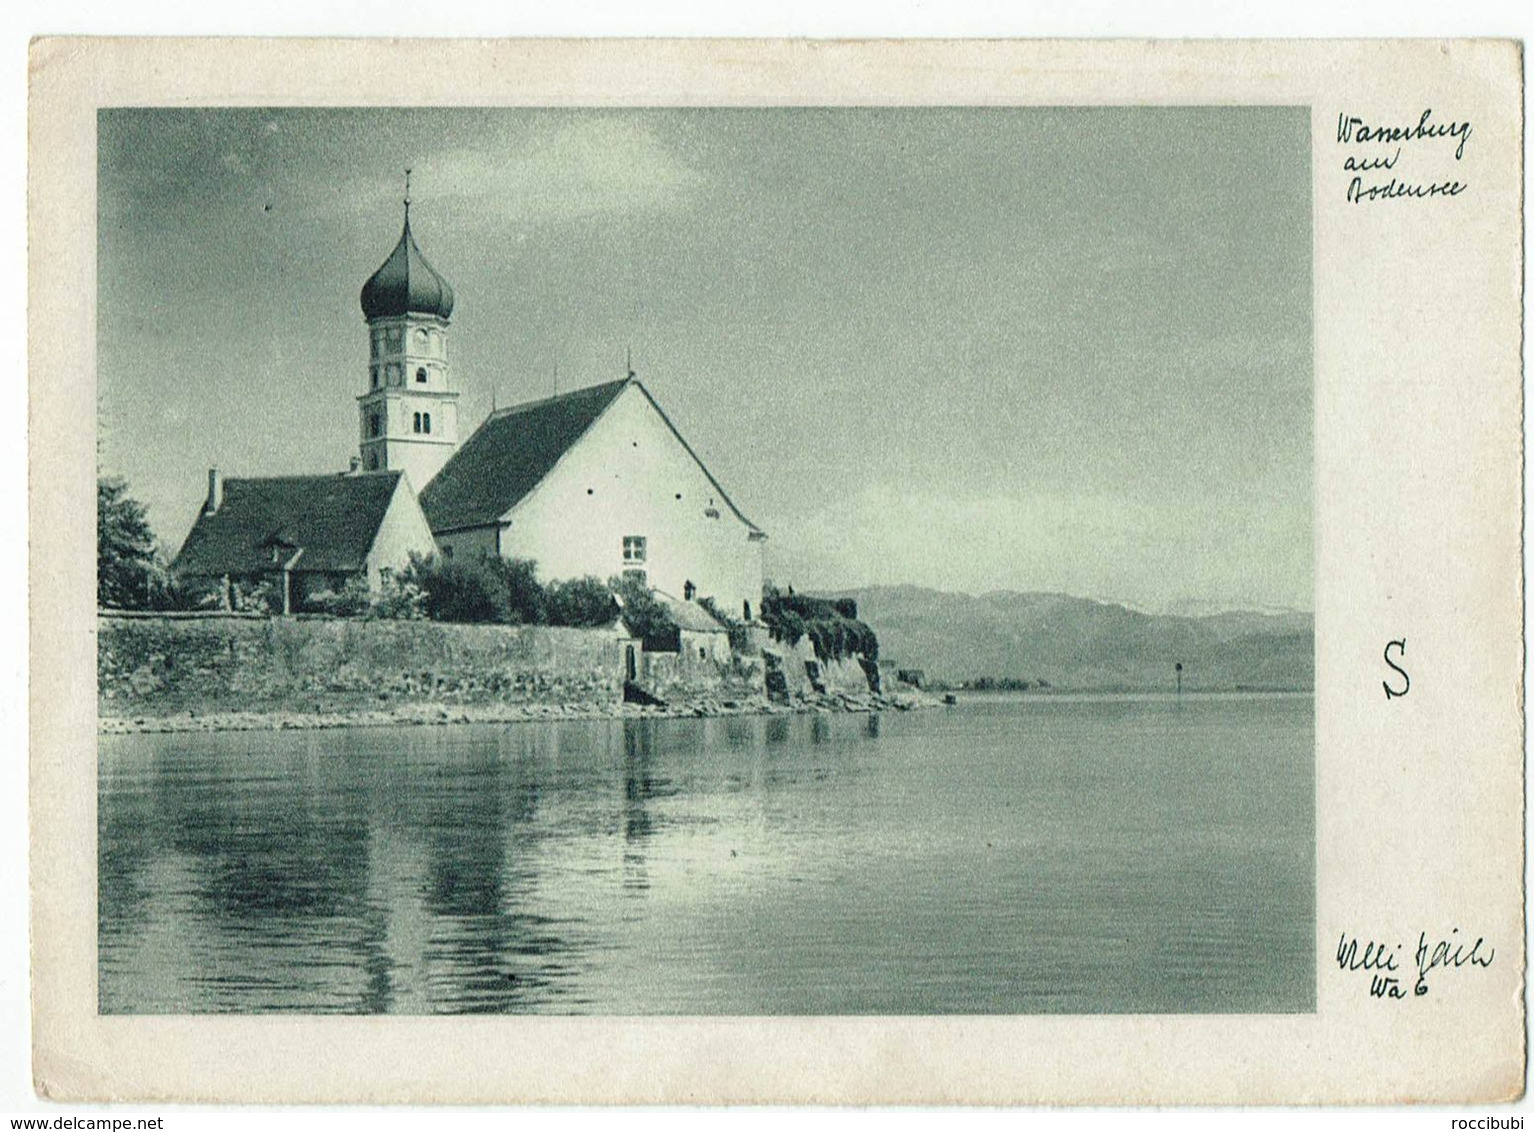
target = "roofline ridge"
x: 682, y: 440
x: 347, y: 475
x: 523, y: 406
x: 502, y: 414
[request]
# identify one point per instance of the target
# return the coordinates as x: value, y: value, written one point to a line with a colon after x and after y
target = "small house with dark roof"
x: 304, y: 534
x: 699, y: 634
x: 598, y: 482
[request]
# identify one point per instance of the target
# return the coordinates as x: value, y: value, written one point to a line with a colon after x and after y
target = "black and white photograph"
x: 720, y: 561
x: 844, y: 573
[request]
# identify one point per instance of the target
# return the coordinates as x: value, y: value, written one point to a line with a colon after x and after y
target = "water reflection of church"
x: 321, y: 884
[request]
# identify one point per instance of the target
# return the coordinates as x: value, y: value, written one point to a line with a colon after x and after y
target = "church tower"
x: 410, y: 409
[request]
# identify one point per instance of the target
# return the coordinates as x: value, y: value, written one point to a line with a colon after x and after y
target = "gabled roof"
x: 689, y: 615
x: 333, y: 520
x: 515, y: 449
x: 509, y: 455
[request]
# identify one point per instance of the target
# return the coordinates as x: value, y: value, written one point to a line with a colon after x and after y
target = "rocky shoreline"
x: 438, y: 714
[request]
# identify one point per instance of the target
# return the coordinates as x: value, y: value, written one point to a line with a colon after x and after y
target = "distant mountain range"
x: 1075, y: 643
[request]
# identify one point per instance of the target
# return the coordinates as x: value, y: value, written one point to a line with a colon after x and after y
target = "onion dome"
x: 406, y: 284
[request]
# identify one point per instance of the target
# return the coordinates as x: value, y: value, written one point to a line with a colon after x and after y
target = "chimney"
x: 356, y: 465
x: 215, y: 492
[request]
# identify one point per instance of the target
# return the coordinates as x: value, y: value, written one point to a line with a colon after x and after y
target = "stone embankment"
x: 218, y: 674
x: 426, y: 714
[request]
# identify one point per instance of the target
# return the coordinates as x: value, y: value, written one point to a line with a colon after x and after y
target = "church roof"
x: 509, y: 455
x: 332, y: 519
x: 515, y: 449
x: 406, y: 284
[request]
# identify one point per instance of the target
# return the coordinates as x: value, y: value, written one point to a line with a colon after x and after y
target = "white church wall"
x: 471, y: 543
x: 403, y: 531
x: 629, y: 476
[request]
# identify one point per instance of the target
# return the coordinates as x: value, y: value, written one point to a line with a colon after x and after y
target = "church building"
x: 595, y: 482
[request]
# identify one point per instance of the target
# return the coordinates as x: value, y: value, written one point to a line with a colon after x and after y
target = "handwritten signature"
x: 1382, y: 962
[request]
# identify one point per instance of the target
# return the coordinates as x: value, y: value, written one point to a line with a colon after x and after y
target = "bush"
x: 473, y: 589
x: 581, y: 603
x: 257, y: 597
x: 399, y: 599
x: 354, y: 599
x: 644, y: 616
x: 737, y: 629
x: 524, y: 594
x: 830, y: 623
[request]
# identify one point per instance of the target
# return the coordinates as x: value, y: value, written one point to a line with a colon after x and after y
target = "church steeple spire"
x: 410, y: 408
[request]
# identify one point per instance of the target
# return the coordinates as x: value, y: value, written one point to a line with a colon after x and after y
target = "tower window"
x: 375, y: 424
x: 634, y: 549
x: 415, y: 423
x: 420, y: 374
x: 372, y: 461
x: 373, y: 373
x: 425, y: 422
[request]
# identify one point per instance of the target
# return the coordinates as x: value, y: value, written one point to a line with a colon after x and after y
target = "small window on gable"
x: 447, y: 552
x: 634, y: 549
x: 420, y: 374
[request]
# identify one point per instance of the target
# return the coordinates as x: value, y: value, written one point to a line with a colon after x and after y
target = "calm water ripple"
x: 1010, y: 855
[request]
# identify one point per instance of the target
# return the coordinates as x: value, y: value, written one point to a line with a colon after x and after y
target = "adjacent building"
x: 303, y: 534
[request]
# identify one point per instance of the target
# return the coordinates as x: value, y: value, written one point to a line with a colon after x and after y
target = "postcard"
x: 777, y: 571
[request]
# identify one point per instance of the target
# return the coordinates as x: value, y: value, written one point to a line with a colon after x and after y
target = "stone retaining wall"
x: 163, y: 665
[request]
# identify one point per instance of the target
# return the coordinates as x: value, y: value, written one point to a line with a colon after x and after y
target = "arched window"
x: 375, y: 424
x: 374, y: 374
x: 420, y: 374
x: 415, y: 423
x: 425, y: 422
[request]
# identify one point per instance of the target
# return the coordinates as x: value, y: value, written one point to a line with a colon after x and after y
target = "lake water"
x: 1009, y: 855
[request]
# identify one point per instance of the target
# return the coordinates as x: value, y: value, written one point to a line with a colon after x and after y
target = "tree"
x: 129, y: 574
x: 524, y: 594
x: 645, y: 617
x: 470, y: 589
x: 581, y: 603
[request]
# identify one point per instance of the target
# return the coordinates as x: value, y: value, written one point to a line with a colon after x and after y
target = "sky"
x: 1058, y: 349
